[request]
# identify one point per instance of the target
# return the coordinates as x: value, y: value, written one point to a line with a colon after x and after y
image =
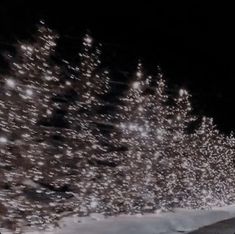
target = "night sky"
x: 194, y: 44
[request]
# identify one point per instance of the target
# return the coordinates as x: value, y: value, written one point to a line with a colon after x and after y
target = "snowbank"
x: 179, y: 221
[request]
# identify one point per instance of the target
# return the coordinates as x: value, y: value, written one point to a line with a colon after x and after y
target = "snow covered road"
x: 179, y: 221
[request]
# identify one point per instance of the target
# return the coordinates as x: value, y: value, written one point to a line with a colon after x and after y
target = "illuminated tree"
x: 141, y: 130
x: 26, y: 150
x: 213, y: 156
x: 56, y: 157
x: 179, y: 177
x: 88, y: 83
x: 164, y: 157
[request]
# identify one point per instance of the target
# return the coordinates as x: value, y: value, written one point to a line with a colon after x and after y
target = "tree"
x: 89, y: 82
x: 213, y: 165
x: 27, y: 155
x: 56, y: 158
x: 141, y: 128
x: 178, y: 147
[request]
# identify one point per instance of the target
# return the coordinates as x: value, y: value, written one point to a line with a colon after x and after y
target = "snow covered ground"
x: 179, y: 221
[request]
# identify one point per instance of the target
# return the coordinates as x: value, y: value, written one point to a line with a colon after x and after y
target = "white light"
x: 122, y: 125
x: 40, y: 163
x: 23, y: 47
x: 29, y: 92
x: 68, y: 83
x: 178, y: 117
x: 88, y: 39
x: 10, y: 83
x: 48, y: 77
x: 148, y: 80
x: 49, y: 112
x: 94, y: 146
x: 169, y: 121
x: 183, y: 92
x: 25, y: 135
x: 138, y: 74
x: 3, y: 140
x: 136, y: 85
x: 29, y: 48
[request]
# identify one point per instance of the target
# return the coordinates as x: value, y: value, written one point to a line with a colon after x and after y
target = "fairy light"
x: 136, y: 85
x: 19, y: 118
x: 179, y: 161
x: 3, y: 140
x: 10, y: 83
x: 146, y: 154
x: 88, y: 40
x: 29, y: 92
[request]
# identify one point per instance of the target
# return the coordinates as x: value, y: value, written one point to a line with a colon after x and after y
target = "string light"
x: 178, y: 170
x: 3, y: 140
x: 136, y: 85
x: 29, y: 92
x: 10, y: 83
x: 88, y: 40
x: 57, y: 135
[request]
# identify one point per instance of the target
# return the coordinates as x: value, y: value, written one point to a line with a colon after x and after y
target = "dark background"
x: 193, y: 43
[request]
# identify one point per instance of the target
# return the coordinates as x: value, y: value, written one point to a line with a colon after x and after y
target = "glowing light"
x: 29, y: 92
x: 140, y: 108
x: 94, y: 146
x: 48, y: 77
x: 139, y: 74
x: 49, y: 112
x: 178, y: 117
x: 26, y: 135
x: 136, y: 85
x: 10, y: 83
x: 138, y: 161
x: 3, y: 140
x: 122, y: 125
x: 183, y: 92
x: 88, y: 39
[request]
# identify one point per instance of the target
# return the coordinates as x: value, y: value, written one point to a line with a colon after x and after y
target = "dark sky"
x: 193, y: 43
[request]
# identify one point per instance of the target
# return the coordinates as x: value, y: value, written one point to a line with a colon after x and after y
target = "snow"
x: 179, y: 221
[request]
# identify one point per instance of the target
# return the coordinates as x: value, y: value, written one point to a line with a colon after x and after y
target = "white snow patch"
x: 179, y: 221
